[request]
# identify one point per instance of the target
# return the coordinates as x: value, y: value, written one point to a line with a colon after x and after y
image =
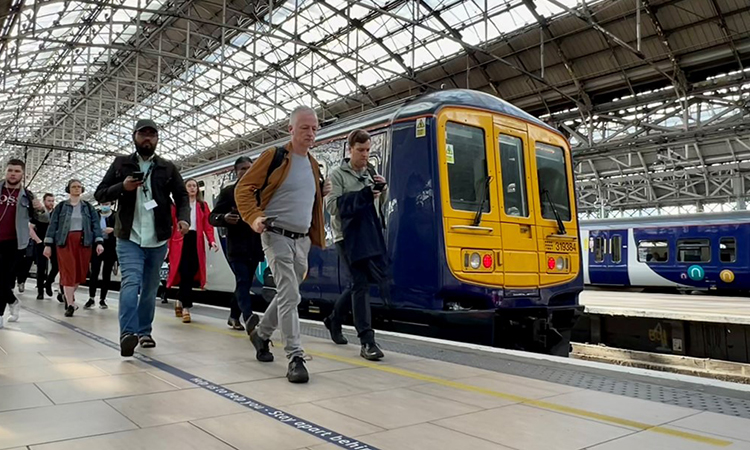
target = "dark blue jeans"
x: 140, y: 279
x: 242, y: 301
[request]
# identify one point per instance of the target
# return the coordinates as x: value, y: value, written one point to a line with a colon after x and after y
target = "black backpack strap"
x: 278, y: 157
x: 371, y: 171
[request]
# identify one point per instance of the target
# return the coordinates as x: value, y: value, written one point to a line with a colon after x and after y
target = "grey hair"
x: 300, y: 110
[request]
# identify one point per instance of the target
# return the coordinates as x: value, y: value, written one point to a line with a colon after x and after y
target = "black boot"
x: 371, y: 352
x: 335, y: 329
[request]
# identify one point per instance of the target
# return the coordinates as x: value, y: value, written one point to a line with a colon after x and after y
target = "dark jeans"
x: 25, y: 260
x: 41, y: 267
x: 241, y: 300
x: 9, y: 256
x: 107, y: 259
x: 356, y: 296
x: 188, y: 268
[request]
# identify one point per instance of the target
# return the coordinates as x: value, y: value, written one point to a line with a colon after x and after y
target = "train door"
x: 520, y: 253
x: 608, y: 257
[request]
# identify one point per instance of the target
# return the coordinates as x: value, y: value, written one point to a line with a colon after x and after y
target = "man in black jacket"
x: 244, y: 250
x: 141, y: 184
x: 357, y: 231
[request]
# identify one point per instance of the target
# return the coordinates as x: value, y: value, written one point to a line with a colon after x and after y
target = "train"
x: 480, y: 222
x: 703, y: 251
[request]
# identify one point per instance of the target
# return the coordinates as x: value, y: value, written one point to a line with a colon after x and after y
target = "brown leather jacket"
x: 247, y: 204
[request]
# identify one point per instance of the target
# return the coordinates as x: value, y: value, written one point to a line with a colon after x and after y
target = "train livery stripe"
x: 323, y: 433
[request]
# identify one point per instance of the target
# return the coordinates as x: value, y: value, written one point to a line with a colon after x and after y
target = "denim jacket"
x: 59, y: 225
x: 25, y: 198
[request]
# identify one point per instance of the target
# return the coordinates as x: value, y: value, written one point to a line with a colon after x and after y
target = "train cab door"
x: 520, y: 253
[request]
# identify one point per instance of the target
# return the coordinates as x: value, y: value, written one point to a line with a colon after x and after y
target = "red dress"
x: 202, y: 227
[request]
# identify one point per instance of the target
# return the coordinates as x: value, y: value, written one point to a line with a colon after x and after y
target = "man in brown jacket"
x: 288, y: 214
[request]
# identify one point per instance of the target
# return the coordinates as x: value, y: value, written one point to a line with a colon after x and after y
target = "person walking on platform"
x: 281, y: 198
x: 144, y: 185
x: 244, y: 250
x: 353, y: 204
x: 74, y: 230
x: 17, y: 205
x: 187, y: 254
x: 106, y: 259
x: 39, y: 225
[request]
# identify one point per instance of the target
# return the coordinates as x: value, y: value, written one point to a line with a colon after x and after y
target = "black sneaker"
x: 69, y: 310
x: 40, y: 295
x: 251, y: 323
x: 89, y: 304
x: 235, y: 324
x: 335, y: 329
x: 371, y: 352
x: 48, y: 289
x: 128, y: 342
x: 262, y: 353
x: 60, y: 297
x: 297, y: 372
x: 103, y: 304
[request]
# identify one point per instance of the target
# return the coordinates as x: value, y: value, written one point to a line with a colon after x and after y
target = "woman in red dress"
x: 74, y: 229
x: 187, y: 254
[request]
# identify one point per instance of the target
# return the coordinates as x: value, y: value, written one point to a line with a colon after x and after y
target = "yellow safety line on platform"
x: 510, y: 397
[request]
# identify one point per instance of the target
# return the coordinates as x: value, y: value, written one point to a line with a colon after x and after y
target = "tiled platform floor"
x: 59, y: 389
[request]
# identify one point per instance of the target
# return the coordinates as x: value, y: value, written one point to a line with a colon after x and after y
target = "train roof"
x: 427, y: 104
x: 729, y: 217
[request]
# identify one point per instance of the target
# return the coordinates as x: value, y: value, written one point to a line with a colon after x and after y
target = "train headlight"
x: 560, y: 263
x: 475, y: 261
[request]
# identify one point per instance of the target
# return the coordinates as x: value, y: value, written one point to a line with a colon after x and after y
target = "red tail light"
x: 551, y: 263
x: 487, y: 261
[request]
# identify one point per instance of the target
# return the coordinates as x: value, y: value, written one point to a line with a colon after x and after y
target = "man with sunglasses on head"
x: 142, y: 184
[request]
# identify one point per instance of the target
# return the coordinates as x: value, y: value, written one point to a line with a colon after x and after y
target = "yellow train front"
x: 480, y: 222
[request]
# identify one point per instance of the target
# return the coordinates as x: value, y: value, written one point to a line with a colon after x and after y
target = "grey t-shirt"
x: 293, y: 200
x: 76, y: 219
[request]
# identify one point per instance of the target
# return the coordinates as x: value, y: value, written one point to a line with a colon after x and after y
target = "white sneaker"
x: 14, y: 311
x: 21, y: 287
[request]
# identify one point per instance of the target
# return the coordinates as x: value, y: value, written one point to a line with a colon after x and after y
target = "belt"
x: 286, y: 233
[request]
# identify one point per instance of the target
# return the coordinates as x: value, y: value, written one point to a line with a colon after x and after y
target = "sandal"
x: 178, y: 309
x: 147, y: 342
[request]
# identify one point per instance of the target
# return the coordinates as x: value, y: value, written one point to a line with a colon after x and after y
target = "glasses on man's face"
x: 147, y: 133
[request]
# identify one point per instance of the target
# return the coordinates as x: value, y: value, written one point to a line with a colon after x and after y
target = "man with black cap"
x: 142, y: 183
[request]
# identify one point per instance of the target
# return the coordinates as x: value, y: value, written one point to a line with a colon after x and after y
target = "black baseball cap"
x: 146, y: 123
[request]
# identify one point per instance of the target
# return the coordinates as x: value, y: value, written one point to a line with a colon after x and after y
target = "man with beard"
x: 15, y: 213
x: 142, y: 184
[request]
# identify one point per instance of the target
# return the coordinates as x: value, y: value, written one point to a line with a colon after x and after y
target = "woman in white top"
x: 187, y: 254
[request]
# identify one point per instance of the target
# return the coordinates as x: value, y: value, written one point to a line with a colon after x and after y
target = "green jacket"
x: 344, y: 179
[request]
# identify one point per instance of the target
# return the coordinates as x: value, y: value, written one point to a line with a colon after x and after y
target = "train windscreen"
x: 550, y: 163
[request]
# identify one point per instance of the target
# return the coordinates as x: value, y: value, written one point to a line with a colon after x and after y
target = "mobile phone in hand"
x: 378, y: 187
x: 138, y: 176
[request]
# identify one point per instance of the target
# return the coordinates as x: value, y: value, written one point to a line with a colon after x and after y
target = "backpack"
x: 278, y: 157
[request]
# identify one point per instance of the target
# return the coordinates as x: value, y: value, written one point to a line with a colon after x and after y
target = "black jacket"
x: 242, y: 242
x: 363, y: 233
x: 110, y: 243
x: 165, y: 181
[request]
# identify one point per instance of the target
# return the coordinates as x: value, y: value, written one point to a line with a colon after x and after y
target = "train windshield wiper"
x: 482, y: 198
x: 560, y: 225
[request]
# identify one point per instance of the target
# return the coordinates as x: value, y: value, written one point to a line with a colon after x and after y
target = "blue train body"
x: 701, y: 251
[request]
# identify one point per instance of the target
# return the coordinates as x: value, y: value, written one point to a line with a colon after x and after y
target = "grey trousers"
x: 287, y: 259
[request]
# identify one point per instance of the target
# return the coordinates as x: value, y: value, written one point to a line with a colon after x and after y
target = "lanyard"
x: 144, y: 186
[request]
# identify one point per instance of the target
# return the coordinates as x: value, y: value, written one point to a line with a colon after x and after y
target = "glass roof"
x: 78, y: 74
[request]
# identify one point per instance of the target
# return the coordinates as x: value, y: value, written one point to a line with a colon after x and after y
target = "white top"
x: 193, y: 227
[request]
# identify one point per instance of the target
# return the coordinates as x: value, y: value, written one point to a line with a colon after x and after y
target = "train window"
x: 514, y: 176
x: 467, y: 167
x: 727, y: 250
x: 693, y: 250
x: 599, y: 249
x: 553, y: 181
x: 653, y: 251
x: 616, y: 248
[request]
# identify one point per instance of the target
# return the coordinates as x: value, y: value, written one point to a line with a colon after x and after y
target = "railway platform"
x: 63, y: 385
